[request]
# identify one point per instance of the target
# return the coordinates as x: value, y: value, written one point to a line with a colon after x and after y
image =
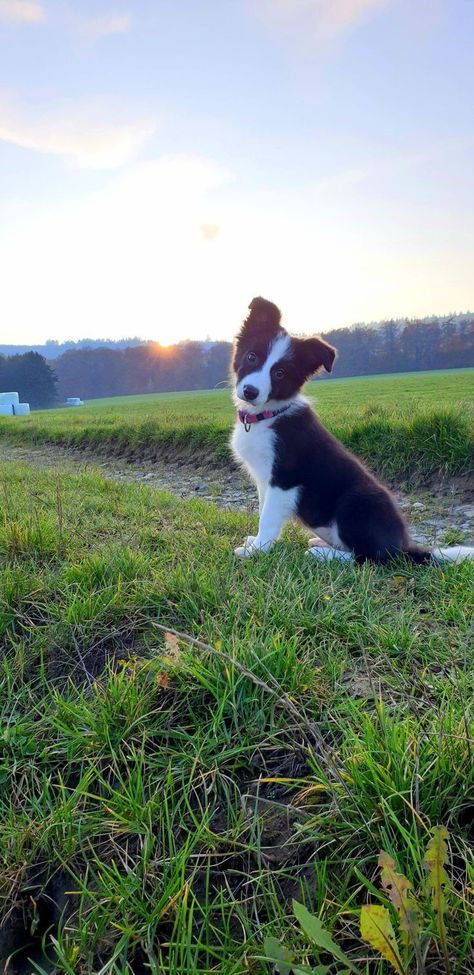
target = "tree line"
x: 362, y: 350
x: 391, y: 346
x: 30, y: 376
x: 401, y: 346
x: 51, y: 349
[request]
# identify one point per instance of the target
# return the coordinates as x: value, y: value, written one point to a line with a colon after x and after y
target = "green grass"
x: 173, y: 799
x: 406, y: 426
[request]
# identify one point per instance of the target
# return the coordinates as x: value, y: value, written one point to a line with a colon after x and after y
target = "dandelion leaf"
x: 436, y: 857
x: 318, y: 934
x: 398, y: 888
x: 279, y: 955
x: 377, y: 931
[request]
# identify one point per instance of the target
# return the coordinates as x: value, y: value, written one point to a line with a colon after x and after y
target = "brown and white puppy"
x: 300, y: 469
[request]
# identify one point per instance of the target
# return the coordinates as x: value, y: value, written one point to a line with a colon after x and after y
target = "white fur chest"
x: 256, y: 449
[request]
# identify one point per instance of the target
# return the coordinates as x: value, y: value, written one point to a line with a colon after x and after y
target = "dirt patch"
x: 462, y: 486
x: 441, y: 512
x: 225, y: 485
x: 37, y: 907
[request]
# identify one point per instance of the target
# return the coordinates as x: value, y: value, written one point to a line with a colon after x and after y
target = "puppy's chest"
x: 256, y: 449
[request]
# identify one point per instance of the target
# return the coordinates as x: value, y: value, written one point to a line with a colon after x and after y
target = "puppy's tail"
x: 418, y: 554
x: 424, y: 556
x: 456, y: 553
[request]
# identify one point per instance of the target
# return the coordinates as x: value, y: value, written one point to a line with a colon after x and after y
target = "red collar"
x: 248, y: 418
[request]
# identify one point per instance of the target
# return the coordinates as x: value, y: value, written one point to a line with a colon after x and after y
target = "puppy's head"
x: 269, y: 365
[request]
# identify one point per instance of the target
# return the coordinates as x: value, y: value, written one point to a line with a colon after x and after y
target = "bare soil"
x: 440, y: 512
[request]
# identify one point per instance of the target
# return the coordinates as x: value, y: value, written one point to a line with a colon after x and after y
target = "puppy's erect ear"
x: 263, y: 312
x: 263, y: 321
x: 318, y: 353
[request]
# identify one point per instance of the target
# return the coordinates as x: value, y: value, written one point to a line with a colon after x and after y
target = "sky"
x: 164, y: 161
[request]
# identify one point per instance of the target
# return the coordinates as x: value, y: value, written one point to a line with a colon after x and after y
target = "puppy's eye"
x: 251, y: 357
x: 279, y: 373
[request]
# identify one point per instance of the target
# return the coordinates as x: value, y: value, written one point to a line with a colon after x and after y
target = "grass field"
x: 172, y: 799
x: 406, y: 426
x: 164, y: 800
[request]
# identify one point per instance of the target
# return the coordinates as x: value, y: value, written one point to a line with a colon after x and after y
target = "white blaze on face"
x: 261, y: 378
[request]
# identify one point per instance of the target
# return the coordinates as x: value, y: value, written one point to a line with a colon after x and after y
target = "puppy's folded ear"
x: 318, y: 353
x: 263, y: 312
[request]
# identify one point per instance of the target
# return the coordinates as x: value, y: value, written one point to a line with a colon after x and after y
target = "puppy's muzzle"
x: 250, y: 393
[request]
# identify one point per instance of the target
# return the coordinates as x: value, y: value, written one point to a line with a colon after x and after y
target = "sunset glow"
x: 161, y: 164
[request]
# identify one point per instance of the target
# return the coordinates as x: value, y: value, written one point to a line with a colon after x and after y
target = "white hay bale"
x: 9, y: 399
x: 6, y: 410
x: 22, y: 409
x: 74, y: 401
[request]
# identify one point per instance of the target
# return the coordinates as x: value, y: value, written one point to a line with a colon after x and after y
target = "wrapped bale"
x: 9, y: 399
x: 22, y: 409
x: 6, y: 410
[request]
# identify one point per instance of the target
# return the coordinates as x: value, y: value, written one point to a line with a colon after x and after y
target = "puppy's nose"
x: 250, y: 393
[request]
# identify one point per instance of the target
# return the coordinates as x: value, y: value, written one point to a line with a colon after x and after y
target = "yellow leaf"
x: 162, y: 680
x: 377, y: 931
x: 306, y: 793
x: 398, y: 888
x: 274, y: 778
x: 436, y: 856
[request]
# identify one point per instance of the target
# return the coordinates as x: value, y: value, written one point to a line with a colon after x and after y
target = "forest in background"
x: 363, y: 350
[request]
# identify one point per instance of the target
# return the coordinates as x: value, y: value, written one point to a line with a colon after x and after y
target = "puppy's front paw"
x: 250, y: 547
x: 253, y: 546
x: 244, y: 551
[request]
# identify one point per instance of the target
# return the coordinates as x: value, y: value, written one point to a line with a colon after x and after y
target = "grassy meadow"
x: 173, y: 799
x: 192, y: 746
x: 406, y: 425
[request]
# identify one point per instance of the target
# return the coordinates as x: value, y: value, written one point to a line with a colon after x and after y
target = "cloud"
x: 95, y: 27
x: 75, y: 132
x: 24, y: 11
x: 325, y: 19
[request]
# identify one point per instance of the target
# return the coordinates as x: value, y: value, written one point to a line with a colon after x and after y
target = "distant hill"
x: 52, y: 349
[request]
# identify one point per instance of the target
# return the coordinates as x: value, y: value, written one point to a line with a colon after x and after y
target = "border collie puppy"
x: 300, y: 469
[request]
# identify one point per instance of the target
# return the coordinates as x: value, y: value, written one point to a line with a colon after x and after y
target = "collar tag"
x: 248, y: 418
